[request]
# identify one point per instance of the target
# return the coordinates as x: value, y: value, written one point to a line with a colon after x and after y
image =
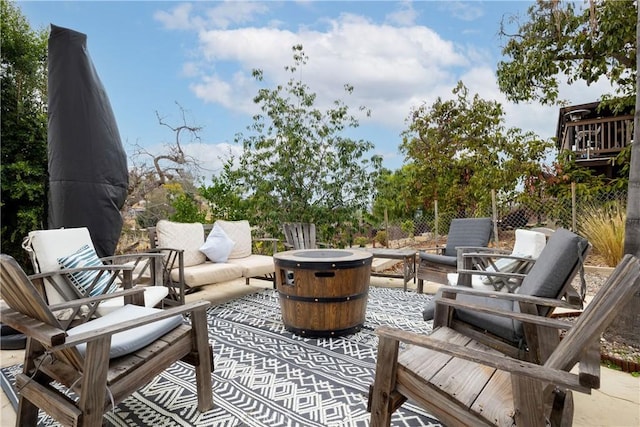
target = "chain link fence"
x: 564, y: 210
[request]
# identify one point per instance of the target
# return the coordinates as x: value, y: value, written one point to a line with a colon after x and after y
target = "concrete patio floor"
x: 616, y: 403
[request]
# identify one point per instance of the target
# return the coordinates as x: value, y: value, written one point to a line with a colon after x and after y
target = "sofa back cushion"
x: 240, y: 233
x: 186, y: 236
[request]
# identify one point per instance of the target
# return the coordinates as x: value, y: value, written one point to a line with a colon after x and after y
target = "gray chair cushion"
x: 439, y: 259
x: 429, y: 310
x: 468, y: 232
x: 546, y: 279
x: 501, y: 326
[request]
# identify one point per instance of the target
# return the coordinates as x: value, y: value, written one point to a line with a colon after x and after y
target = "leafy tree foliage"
x: 459, y: 150
x: 297, y: 164
x: 395, y: 194
x: 564, y: 38
x: 600, y: 40
x: 24, y: 129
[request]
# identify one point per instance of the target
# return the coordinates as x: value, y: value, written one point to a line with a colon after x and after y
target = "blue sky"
x: 200, y: 54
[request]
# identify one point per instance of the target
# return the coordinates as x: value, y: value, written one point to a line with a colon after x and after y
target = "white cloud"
x: 405, y: 16
x: 465, y: 11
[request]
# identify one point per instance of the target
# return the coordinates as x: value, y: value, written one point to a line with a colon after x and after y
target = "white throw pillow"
x: 239, y: 232
x: 186, y: 236
x: 218, y: 245
x: 86, y: 257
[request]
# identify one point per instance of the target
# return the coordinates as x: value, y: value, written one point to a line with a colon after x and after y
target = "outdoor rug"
x: 266, y: 376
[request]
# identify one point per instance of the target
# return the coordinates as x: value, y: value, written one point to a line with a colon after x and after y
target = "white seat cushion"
x: 131, y: 340
x: 186, y: 236
x: 255, y: 265
x: 239, y: 232
x: 208, y: 273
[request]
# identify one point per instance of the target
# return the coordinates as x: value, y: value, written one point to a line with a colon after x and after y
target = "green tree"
x: 395, y: 193
x: 460, y: 150
x: 587, y: 44
x: 566, y: 40
x: 24, y: 129
x: 297, y: 164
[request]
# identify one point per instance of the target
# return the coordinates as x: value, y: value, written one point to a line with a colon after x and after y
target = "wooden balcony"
x: 597, y: 139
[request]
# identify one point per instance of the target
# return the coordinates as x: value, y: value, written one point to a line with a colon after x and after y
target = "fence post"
x: 573, y: 207
x: 386, y: 226
x: 435, y: 213
x: 494, y: 209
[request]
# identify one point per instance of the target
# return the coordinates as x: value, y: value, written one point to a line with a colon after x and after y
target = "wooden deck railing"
x: 602, y: 137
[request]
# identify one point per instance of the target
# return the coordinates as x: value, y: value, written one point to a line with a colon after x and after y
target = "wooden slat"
x: 495, y: 402
x: 58, y: 406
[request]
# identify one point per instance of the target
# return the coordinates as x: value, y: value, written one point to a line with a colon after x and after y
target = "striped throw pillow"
x: 82, y: 280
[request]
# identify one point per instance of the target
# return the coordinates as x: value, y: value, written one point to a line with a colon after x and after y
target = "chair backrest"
x: 46, y: 246
x: 619, y: 289
x: 468, y: 232
x: 557, y: 264
x: 300, y: 235
x: 22, y: 296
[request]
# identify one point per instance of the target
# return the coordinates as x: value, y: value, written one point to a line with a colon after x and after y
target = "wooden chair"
x: 300, y: 235
x: 463, y: 382
x: 103, y: 360
x: 547, y: 285
x: 463, y: 233
x: 47, y: 247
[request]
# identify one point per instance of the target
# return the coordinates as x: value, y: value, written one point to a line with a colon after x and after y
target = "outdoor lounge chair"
x: 301, y: 235
x: 463, y: 382
x: 103, y: 360
x: 70, y: 251
x: 463, y: 232
x: 546, y: 286
x: 526, y: 249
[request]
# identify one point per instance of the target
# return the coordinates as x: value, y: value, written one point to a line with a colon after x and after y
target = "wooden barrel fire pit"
x: 323, y: 292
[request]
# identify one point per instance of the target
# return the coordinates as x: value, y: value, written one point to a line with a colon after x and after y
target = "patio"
x: 617, y: 402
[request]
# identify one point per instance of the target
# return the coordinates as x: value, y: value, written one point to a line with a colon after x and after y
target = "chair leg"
x: 27, y: 413
x: 204, y: 385
x: 94, y: 382
x: 381, y: 401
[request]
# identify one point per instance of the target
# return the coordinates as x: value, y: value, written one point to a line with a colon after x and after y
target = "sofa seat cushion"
x: 254, y: 265
x: 208, y: 273
x: 133, y: 339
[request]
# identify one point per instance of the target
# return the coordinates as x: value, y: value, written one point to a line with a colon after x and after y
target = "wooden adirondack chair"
x: 103, y: 360
x: 299, y: 235
x: 463, y: 382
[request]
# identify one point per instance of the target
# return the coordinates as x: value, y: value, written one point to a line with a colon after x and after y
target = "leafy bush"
x: 603, y: 226
x: 381, y: 237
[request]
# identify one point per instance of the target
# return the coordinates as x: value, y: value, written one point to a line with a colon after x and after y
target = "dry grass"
x: 603, y: 226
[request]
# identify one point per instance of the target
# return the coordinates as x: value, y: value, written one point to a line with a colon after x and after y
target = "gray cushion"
x: 133, y: 339
x: 503, y: 327
x: 546, y: 279
x: 429, y: 310
x: 468, y: 232
x: 439, y: 259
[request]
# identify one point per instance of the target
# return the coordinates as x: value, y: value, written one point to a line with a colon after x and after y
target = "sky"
x: 153, y: 56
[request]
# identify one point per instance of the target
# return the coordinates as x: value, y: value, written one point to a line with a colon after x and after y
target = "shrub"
x: 603, y: 226
x: 381, y: 237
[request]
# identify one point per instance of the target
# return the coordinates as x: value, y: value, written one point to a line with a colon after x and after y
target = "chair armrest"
x: 522, y: 317
x: 89, y: 300
x: 437, y: 249
x: 46, y: 334
x: 272, y: 240
x: 122, y: 259
x: 501, y: 362
x: 129, y: 324
x: 548, y: 302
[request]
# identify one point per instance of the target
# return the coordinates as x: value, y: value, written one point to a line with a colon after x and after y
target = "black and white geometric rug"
x: 266, y: 376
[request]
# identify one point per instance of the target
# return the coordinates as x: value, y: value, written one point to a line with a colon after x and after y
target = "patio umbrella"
x: 88, y: 176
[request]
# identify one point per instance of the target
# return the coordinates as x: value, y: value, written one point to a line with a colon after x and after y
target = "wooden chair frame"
x: 51, y: 355
x: 463, y: 382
